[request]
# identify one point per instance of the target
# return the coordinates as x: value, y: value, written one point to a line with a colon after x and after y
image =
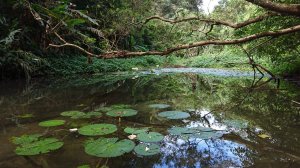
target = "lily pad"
x: 97, y: 129
x: 108, y: 147
x: 52, y: 123
x: 150, y: 137
x: 159, y: 106
x: 130, y: 130
x: 25, y: 139
x: 147, y: 150
x: 174, y: 114
x: 33, y: 145
x: 237, y: 124
x: 122, y: 113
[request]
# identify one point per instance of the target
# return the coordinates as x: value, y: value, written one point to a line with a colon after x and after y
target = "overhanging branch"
x: 213, y: 21
x: 122, y: 54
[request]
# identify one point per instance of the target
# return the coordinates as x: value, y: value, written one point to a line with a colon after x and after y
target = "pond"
x: 161, y: 118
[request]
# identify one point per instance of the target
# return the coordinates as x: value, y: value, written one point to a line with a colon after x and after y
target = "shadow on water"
x: 227, y: 102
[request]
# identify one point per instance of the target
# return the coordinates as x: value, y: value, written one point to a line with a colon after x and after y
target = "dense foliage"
x: 27, y: 27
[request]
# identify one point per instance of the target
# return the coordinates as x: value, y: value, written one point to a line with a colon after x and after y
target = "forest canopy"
x: 33, y: 32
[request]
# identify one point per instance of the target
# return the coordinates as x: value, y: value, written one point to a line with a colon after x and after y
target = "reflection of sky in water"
x: 194, y: 152
x: 202, y: 153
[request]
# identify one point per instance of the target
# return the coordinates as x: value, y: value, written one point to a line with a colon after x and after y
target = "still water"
x: 259, y: 122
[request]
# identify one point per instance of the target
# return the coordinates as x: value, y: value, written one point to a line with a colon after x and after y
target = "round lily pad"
x: 174, y: 114
x: 150, y: 137
x: 33, y: 145
x: 130, y: 130
x: 52, y: 123
x: 122, y: 113
x: 93, y: 114
x: 159, y: 106
x: 108, y: 147
x: 97, y: 129
x: 147, y: 150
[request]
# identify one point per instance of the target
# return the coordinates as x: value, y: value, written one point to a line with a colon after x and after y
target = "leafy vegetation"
x: 34, y: 145
x: 61, y: 37
x: 52, y: 123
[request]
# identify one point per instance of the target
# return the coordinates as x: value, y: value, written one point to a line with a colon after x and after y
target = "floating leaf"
x: 97, y: 129
x: 264, y: 136
x: 52, y: 123
x: 122, y: 113
x: 174, y: 115
x: 114, y: 107
x: 237, y: 124
x: 84, y: 166
x: 108, y: 147
x: 93, y: 114
x: 73, y: 114
x: 207, y: 135
x: 25, y: 116
x: 159, y: 106
x: 32, y: 145
x: 130, y: 130
x: 25, y: 139
x: 147, y: 150
x: 150, y: 137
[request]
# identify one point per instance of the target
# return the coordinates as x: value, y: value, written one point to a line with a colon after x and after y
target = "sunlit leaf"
x: 52, y: 123
x: 264, y: 136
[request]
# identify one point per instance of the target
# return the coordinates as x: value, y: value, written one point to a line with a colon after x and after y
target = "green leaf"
x: 80, y: 115
x: 25, y: 139
x: 150, y: 137
x: 74, y: 22
x: 159, y: 106
x: 32, y: 145
x: 97, y: 129
x: 130, y: 130
x: 84, y: 166
x: 52, y: 123
x: 122, y: 113
x: 147, y: 150
x: 174, y: 115
x: 108, y: 147
x: 73, y: 114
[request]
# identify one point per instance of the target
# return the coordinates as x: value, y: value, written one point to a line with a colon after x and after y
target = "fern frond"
x: 11, y: 37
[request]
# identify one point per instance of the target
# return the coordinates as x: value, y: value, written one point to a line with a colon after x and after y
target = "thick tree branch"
x: 213, y: 21
x: 290, y: 9
x: 120, y: 54
x: 115, y: 54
